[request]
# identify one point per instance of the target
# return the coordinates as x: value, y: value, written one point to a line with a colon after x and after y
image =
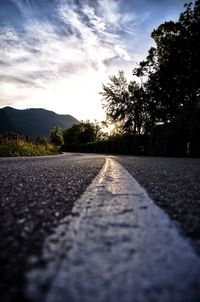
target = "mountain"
x: 33, y: 122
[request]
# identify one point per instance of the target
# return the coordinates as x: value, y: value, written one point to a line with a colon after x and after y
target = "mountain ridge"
x: 33, y: 122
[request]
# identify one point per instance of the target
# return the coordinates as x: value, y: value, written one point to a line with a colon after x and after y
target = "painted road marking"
x: 117, y: 246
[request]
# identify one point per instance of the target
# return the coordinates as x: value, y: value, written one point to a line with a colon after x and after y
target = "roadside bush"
x: 12, y: 144
x: 126, y: 144
x: 172, y: 139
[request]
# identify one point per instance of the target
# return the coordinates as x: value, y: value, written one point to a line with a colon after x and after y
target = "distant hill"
x: 33, y: 122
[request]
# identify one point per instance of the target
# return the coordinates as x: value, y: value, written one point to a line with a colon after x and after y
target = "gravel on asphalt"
x: 35, y: 194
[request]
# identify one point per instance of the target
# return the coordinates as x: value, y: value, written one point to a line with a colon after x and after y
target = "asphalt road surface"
x: 37, y: 193
x: 174, y: 184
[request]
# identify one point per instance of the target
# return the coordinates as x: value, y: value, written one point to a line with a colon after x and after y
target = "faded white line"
x: 117, y: 246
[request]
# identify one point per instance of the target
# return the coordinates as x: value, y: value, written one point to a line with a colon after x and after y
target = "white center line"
x: 117, y: 246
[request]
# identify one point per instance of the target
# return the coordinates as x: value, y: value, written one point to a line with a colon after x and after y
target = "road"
x: 37, y: 193
x: 174, y: 184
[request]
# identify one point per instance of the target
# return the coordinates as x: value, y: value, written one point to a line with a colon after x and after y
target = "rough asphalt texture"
x: 34, y: 195
x: 174, y: 184
x: 120, y: 246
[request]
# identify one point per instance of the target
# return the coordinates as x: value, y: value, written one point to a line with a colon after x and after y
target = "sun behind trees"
x: 166, y: 105
x: 125, y: 102
x: 158, y: 112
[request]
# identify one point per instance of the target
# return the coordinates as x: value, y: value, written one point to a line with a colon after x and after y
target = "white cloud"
x: 63, y: 72
x: 96, y: 21
x: 122, y: 53
x: 109, y: 9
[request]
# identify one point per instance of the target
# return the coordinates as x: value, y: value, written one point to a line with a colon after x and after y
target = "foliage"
x: 110, y: 128
x: 166, y: 103
x: 56, y: 137
x: 118, y: 144
x: 173, y: 67
x: 33, y: 122
x: 12, y: 144
x: 84, y: 132
x: 41, y: 141
x: 124, y: 102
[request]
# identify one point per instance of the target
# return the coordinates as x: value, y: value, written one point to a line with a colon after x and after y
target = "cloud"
x: 61, y: 51
x: 24, y: 7
x: 39, y: 57
x: 94, y: 20
x: 122, y: 53
x: 110, y: 12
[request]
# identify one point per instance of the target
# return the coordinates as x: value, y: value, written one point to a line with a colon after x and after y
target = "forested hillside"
x: 33, y: 122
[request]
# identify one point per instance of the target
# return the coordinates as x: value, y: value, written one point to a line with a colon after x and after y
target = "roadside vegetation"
x: 158, y: 111
x: 12, y: 144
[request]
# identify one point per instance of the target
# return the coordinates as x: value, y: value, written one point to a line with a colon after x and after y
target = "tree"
x: 172, y: 68
x: 82, y: 133
x: 124, y: 102
x: 115, y: 95
x: 169, y: 77
x: 55, y: 136
x: 172, y: 74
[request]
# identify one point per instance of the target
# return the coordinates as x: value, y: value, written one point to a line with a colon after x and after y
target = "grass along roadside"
x: 23, y: 148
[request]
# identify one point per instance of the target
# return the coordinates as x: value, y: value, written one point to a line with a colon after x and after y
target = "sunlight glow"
x: 57, y: 55
x: 109, y: 128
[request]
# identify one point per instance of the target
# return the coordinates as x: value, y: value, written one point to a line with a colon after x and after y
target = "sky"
x: 55, y: 54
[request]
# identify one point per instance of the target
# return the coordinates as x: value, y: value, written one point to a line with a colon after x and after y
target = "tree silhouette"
x: 124, y: 102
x: 56, y: 137
x: 84, y: 132
x: 172, y: 68
x: 167, y: 100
